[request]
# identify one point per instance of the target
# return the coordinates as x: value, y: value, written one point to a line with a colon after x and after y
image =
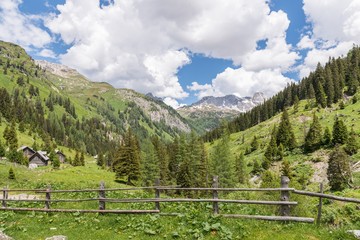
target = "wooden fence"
x: 284, y: 202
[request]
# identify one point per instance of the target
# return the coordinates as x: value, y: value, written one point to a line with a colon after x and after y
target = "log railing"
x: 284, y: 202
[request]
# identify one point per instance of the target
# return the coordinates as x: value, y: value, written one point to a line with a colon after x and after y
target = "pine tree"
x: 2, y: 150
x: 286, y: 169
x: 320, y: 94
x: 150, y: 164
x: 54, y: 159
x: 314, y: 136
x: 221, y: 160
x: 82, y: 159
x: 338, y: 172
x: 203, y: 168
x: 11, y: 175
x: 256, y: 167
x: 352, y: 144
x: 271, y: 152
x: 100, y: 160
x: 329, y: 87
x: 240, y: 168
x: 340, y: 133
x: 254, y: 144
x: 285, y: 134
x: 326, y: 139
x: 127, y: 159
x: 76, y: 161
x: 296, y: 104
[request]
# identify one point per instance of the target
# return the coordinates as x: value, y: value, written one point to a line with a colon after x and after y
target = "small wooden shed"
x: 27, y: 151
x: 39, y: 158
x: 61, y: 156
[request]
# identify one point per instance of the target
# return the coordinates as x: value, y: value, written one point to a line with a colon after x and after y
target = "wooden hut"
x: 39, y: 158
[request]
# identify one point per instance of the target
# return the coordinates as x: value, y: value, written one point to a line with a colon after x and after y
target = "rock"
x: 58, y: 237
x: 356, y: 233
x: 3, y: 236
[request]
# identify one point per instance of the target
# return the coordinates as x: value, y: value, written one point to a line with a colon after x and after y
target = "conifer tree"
x: 256, y: 167
x: 320, y: 95
x: 240, y: 168
x: 11, y: 174
x: 296, y: 104
x: 82, y: 159
x: 280, y: 152
x: 203, y: 169
x: 221, y: 160
x: 285, y: 134
x: 150, y: 164
x: 100, y: 160
x: 329, y: 87
x: 10, y: 136
x: 271, y: 152
x: 286, y: 169
x: 127, y: 159
x: 2, y: 150
x: 54, y: 159
x: 314, y: 135
x: 254, y: 144
x: 352, y: 144
x: 76, y: 161
x: 339, y: 172
x: 326, y: 139
x: 340, y: 133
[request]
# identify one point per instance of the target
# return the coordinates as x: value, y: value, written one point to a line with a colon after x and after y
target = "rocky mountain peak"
x: 57, y: 69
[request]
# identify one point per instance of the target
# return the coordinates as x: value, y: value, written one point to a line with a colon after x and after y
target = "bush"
x: 11, y: 175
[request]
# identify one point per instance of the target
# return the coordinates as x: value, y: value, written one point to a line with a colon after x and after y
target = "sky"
x: 183, y: 50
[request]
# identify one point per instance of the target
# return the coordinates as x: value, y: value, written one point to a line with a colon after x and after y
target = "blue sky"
x: 183, y: 50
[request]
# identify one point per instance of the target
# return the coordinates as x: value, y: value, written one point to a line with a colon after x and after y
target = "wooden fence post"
x: 102, y: 196
x: 5, y: 196
x: 157, y: 193
x: 48, y: 197
x: 215, y: 184
x: 318, y: 220
x: 285, y: 196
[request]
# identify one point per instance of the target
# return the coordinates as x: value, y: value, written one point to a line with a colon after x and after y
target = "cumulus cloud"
x: 336, y: 27
x: 138, y: 44
x: 20, y: 28
x: 243, y: 83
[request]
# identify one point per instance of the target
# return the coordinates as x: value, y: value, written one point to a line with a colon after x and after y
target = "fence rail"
x: 284, y: 202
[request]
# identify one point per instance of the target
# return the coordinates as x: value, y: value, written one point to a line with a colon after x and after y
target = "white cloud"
x: 242, y: 83
x: 47, y: 53
x: 173, y: 103
x: 336, y: 27
x: 20, y: 28
x: 136, y: 44
x: 306, y: 43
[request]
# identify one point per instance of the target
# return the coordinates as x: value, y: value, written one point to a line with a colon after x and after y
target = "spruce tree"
x: 240, y: 168
x: 254, y: 144
x: 256, y: 168
x: 127, y: 159
x: 340, y: 133
x: 326, y: 139
x: 82, y: 159
x: 54, y: 159
x: 338, y: 172
x: 313, y: 136
x: 11, y: 174
x: 203, y: 168
x: 320, y: 95
x: 76, y: 161
x: 150, y: 164
x: 285, y: 134
x: 100, y: 160
x: 352, y: 144
x: 271, y: 152
x: 286, y: 169
x: 221, y: 160
x: 329, y: 87
x: 2, y: 150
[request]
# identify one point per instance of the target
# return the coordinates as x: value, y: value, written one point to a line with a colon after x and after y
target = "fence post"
x: 48, y: 197
x: 318, y: 220
x: 215, y: 184
x: 5, y: 196
x: 284, y: 196
x: 102, y: 196
x: 157, y: 193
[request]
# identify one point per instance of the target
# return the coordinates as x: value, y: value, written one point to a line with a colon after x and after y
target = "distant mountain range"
x: 207, y: 113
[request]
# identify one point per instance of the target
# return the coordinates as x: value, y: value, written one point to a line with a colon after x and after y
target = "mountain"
x: 53, y: 101
x: 207, y: 113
